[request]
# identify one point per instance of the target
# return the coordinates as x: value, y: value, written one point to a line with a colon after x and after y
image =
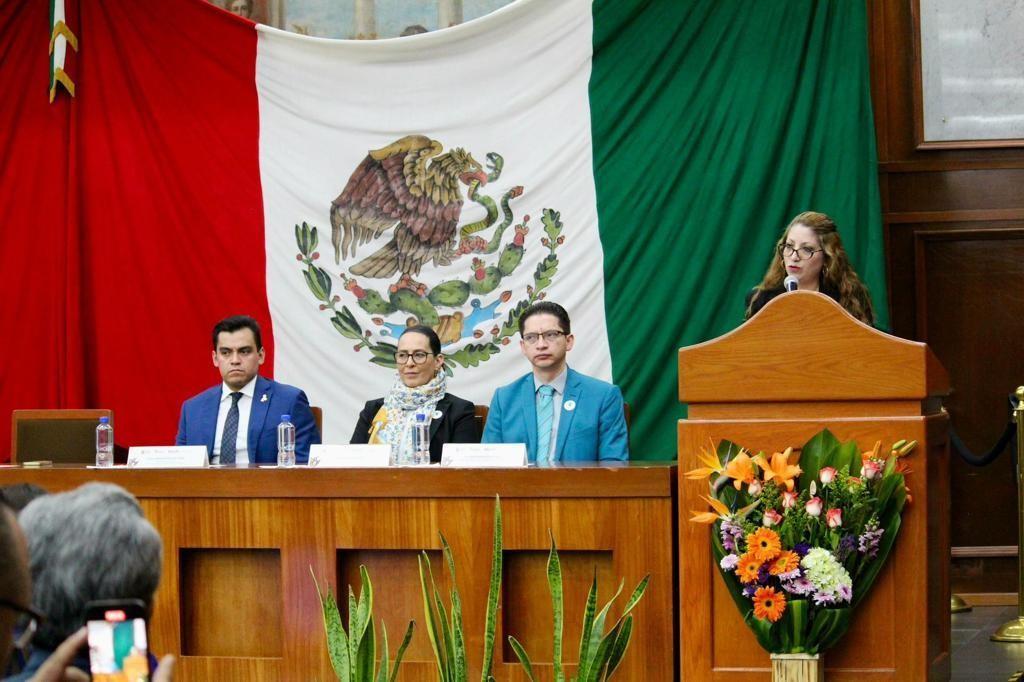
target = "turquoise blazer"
x: 594, y: 430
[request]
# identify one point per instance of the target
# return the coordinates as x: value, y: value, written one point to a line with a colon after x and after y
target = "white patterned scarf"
x: 393, y: 422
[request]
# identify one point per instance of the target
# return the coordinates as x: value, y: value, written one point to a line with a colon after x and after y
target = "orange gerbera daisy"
x: 786, y: 561
x: 748, y: 568
x: 764, y: 544
x: 769, y: 604
x: 741, y: 469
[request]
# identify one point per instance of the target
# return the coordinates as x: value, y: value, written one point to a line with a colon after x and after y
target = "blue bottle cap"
x: 104, y: 420
x: 286, y: 417
x: 420, y: 417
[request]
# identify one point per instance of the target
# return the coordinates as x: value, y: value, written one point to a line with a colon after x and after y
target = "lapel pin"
x: 569, y: 405
x: 437, y: 414
x: 263, y: 399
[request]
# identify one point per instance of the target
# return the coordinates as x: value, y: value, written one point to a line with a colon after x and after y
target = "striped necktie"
x: 230, y: 435
x: 545, y: 418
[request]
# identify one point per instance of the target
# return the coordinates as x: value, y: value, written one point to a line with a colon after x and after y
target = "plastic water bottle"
x: 104, y: 443
x: 286, y: 442
x: 421, y: 440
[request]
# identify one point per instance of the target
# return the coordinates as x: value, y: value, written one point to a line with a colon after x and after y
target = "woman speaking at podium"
x: 811, y: 252
x: 419, y: 388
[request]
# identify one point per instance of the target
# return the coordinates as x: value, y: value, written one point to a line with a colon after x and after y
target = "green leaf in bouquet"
x: 828, y: 627
x: 846, y: 458
x: 813, y: 454
x: 763, y: 631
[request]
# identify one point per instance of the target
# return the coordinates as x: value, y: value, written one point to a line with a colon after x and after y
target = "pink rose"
x: 813, y: 506
x: 755, y: 487
x: 788, y: 499
x: 826, y: 475
x: 771, y: 518
x: 870, y: 470
x: 834, y: 518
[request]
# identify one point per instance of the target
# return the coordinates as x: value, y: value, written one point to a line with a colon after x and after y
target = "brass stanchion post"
x: 1013, y: 631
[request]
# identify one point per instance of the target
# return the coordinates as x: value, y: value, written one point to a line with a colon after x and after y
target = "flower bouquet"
x: 800, y: 544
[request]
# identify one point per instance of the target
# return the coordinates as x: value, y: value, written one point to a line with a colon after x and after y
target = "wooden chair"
x: 60, y: 436
x: 480, y: 416
x: 318, y: 417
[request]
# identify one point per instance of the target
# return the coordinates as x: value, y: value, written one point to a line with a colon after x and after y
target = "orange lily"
x: 741, y: 469
x: 721, y: 512
x: 779, y: 469
x: 709, y: 458
x: 874, y: 453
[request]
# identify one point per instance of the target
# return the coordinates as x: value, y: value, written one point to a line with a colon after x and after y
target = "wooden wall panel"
x: 953, y: 221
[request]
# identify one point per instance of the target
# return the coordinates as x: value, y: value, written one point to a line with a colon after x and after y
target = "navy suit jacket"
x: 595, y: 429
x: 198, y: 423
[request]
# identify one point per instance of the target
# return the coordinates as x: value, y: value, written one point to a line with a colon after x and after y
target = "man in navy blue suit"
x: 237, y: 420
x: 561, y: 415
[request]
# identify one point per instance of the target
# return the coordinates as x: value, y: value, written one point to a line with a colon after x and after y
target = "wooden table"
x: 237, y: 601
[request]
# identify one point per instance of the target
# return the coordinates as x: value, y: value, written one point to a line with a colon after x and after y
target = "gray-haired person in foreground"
x: 88, y: 544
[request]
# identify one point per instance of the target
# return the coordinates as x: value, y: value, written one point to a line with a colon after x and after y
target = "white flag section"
x: 502, y: 99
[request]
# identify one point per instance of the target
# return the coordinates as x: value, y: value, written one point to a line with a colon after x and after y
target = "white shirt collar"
x: 558, y: 383
x: 248, y: 390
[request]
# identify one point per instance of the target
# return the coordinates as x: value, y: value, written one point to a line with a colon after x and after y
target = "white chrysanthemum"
x: 826, y: 574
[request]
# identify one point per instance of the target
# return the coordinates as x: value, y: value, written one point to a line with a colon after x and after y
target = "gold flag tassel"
x: 59, y: 75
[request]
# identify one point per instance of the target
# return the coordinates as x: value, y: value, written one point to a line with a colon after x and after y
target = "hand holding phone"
x: 118, y: 640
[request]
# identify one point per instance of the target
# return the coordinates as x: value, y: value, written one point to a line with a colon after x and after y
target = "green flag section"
x: 714, y: 122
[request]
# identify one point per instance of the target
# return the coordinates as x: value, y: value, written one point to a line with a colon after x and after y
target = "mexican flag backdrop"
x: 633, y: 161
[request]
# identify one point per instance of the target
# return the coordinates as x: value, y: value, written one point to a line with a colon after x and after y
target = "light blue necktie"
x: 545, y: 417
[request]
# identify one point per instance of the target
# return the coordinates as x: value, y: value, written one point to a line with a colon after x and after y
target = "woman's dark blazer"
x: 456, y: 424
x: 768, y: 294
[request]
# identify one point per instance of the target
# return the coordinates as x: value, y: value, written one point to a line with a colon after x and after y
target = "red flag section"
x: 132, y: 214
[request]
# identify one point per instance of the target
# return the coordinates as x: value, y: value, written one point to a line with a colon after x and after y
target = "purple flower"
x: 791, y: 575
x: 728, y: 543
x: 823, y: 598
x: 729, y: 562
x: 868, y: 542
x: 798, y: 586
x: 763, y: 576
x: 845, y: 593
x: 749, y: 590
x: 847, y: 544
x: 802, y: 548
x: 730, y: 531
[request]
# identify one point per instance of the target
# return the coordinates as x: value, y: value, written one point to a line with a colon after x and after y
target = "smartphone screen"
x: 118, y: 646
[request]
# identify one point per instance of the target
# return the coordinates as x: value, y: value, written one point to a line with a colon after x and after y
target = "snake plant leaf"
x: 401, y: 651
x: 337, y: 641
x: 638, y: 594
x: 353, y: 641
x: 618, y: 649
x: 458, y: 638
x: 491, y: 621
x: 524, y: 659
x: 385, y: 665
x: 365, y: 605
x: 431, y: 618
x: 589, y: 611
x: 597, y: 668
x: 558, y: 607
x: 366, y: 656
x: 598, y: 631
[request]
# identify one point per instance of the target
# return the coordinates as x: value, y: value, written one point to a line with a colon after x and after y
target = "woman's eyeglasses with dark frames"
x: 418, y: 357
x: 804, y: 252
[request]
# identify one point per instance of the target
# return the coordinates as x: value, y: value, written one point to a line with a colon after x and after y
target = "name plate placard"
x: 349, y: 456
x: 471, y: 455
x: 168, y: 457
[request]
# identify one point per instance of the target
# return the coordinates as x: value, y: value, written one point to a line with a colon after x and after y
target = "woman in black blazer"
x: 421, y: 387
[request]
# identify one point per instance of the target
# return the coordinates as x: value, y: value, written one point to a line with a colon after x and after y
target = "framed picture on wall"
x: 969, y: 73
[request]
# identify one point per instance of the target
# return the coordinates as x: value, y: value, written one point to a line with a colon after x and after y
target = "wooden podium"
x: 237, y: 602
x: 800, y: 365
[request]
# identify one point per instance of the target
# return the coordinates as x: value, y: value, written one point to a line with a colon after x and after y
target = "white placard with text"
x: 168, y: 457
x: 349, y: 456
x: 502, y: 455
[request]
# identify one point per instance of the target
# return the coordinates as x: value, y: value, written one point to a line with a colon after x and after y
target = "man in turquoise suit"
x: 561, y: 415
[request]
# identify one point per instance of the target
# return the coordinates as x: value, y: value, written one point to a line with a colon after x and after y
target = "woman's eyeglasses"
x: 418, y: 357
x: 804, y: 252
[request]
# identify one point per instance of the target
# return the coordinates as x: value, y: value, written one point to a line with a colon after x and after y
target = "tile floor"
x: 975, y: 657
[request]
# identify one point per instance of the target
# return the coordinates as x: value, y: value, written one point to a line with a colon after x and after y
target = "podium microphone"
x: 790, y: 283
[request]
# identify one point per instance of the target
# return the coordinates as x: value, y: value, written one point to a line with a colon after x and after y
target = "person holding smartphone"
x: 73, y: 538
